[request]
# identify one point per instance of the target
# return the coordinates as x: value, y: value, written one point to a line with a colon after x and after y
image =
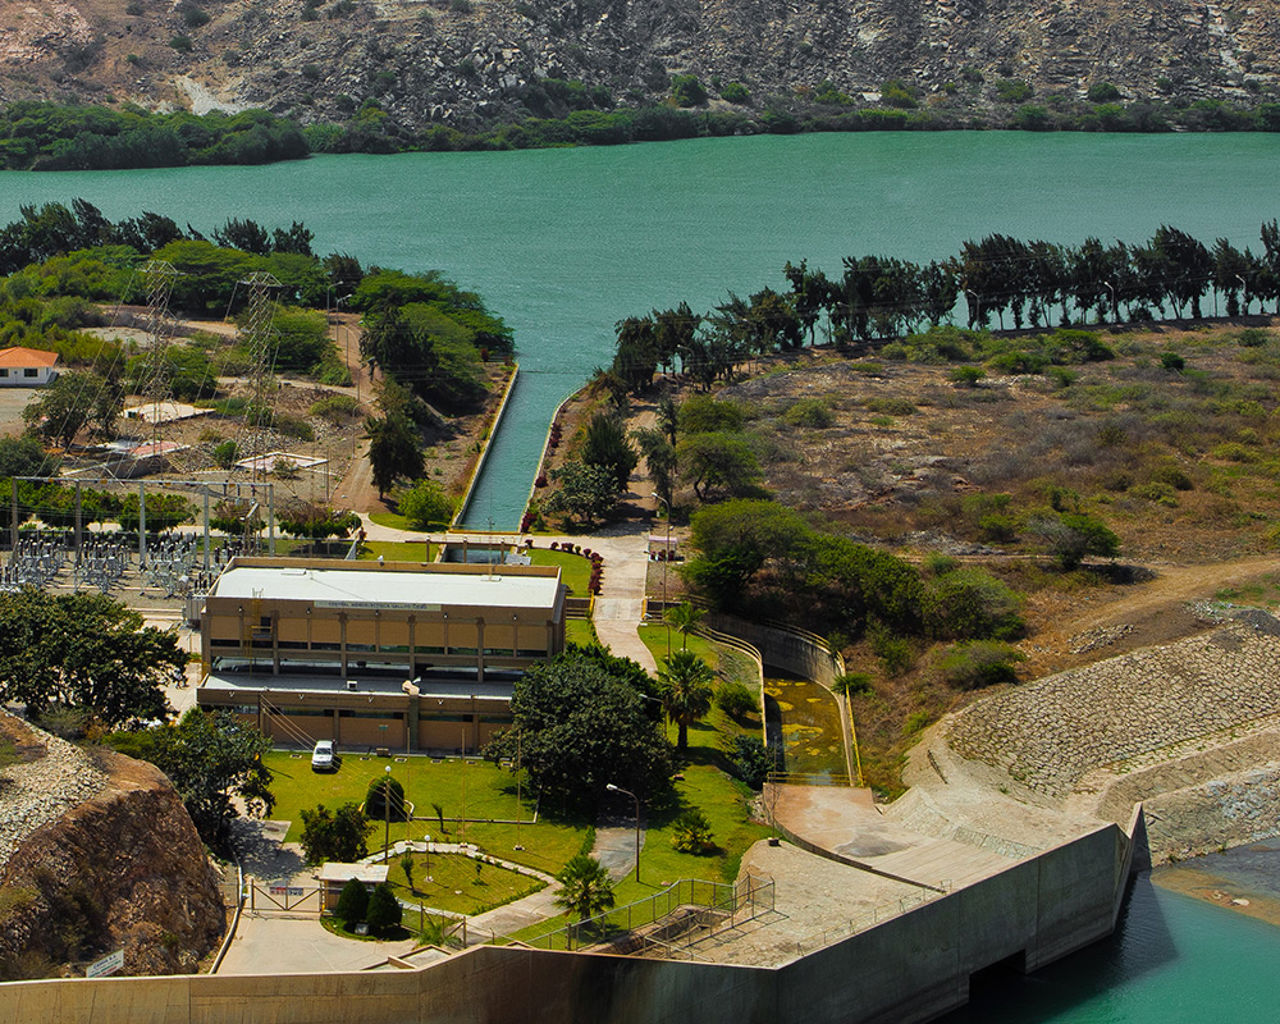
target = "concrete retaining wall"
x: 803, y: 654
x: 911, y: 968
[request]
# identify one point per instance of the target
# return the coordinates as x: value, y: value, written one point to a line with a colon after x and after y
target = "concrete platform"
x: 843, y: 822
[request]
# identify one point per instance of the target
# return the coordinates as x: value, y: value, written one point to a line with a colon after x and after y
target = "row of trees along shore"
x: 1018, y: 283
x: 554, y: 112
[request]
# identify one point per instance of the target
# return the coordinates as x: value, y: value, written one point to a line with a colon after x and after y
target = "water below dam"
x: 564, y: 243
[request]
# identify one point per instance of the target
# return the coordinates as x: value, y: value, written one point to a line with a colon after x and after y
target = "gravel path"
x: 40, y: 791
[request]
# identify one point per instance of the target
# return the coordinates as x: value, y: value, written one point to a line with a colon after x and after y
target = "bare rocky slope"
x: 467, y: 62
x: 97, y: 853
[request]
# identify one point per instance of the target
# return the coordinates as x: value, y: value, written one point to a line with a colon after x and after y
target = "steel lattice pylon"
x: 159, y: 276
x: 256, y: 337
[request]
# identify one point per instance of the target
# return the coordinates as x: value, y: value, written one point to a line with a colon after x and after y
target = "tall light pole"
x: 666, y: 557
x: 386, y: 812
x: 618, y: 789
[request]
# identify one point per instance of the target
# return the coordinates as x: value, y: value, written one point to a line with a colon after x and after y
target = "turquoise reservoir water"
x: 1173, y: 960
x: 563, y: 243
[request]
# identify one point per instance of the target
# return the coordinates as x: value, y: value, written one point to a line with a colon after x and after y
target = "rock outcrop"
x: 97, y: 853
x: 467, y: 62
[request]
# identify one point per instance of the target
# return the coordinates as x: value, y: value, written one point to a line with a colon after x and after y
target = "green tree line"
x: 54, y: 137
x: 877, y: 298
x: 554, y: 112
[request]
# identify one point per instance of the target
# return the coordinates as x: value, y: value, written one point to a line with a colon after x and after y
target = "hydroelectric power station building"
x: 403, y: 656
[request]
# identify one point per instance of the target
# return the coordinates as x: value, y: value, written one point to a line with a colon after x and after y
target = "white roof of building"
x: 390, y: 588
x: 337, y: 871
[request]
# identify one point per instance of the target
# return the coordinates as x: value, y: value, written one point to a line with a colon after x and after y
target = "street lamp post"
x: 618, y: 789
x: 1115, y: 311
x: 386, y: 812
x: 666, y: 557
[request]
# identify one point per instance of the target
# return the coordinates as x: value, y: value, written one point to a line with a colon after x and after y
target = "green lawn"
x: 706, y: 785
x: 451, y: 882
x: 728, y: 662
x: 490, y: 793
x: 581, y: 632
x: 575, y: 571
x: 392, y: 520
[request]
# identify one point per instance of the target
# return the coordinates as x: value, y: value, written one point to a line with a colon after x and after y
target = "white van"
x: 322, y: 759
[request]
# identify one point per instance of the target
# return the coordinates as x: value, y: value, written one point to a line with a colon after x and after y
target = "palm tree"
x: 684, y: 617
x: 585, y: 888
x: 685, y: 687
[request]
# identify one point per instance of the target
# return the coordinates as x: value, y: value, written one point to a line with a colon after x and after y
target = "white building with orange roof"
x: 26, y: 367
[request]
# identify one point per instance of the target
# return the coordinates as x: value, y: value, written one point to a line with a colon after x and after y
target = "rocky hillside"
x: 97, y: 853
x: 465, y: 63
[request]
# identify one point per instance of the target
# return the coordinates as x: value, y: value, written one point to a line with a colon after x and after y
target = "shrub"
x: 1102, y: 92
x: 751, y: 759
x: 687, y: 91
x: 894, y: 652
x: 374, y: 807
x: 851, y: 684
x: 336, y: 408
x: 425, y: 505
x: 1013, y: 90
x: 938, y: 564
x: 966, y: 376
x: 890, y: 406
x: 735, y: 92
x: 1172, y: 361
x: 1161, y: 494
x: 971, y: 603
x: 1170, y: 474
x: 192, y: 16
x: 692, y: 833
x: 294, y: 426
x: 1069, y: 536
x: 181, y: 43
x: 353, y: 903
x: 980, y: 663
x: 384, y: 912
x: 809, y: 412
x: 735, y: 700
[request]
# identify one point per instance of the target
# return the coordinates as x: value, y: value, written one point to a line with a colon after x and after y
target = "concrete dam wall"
x: 907, y: 969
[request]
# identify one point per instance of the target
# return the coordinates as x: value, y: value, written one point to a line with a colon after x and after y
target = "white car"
x: 322, y: 758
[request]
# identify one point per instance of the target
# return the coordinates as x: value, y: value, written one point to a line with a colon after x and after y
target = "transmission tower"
x: 256, y: 337
x: 159, y: 276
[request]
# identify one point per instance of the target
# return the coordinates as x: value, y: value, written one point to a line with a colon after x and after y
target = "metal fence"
x: 669, y: 921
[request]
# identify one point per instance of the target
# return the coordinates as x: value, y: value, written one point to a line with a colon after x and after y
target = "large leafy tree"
x: 394, y: 450
x: 340, y: 835
x: 685, y: 684
x: 84, y: 651
x: 72, y: 402
x: 25, y: 456
x: 215, y: 763
x: 719, y: 460
x: 580, y: 724
x: 606, y: 446
x: 585, y: 493
x: 585, y: 888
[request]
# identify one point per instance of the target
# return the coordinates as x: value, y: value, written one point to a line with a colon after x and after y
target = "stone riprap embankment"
x: 51, y: 777
x: 1049, y: 734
